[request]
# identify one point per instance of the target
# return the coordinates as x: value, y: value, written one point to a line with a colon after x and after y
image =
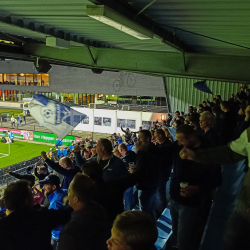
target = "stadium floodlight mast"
x: 114, y: 19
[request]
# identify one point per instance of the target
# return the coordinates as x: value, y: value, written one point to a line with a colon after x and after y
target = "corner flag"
x: 56, y: 117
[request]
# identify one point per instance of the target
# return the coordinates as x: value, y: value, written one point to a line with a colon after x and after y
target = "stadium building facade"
x: 19, y: 79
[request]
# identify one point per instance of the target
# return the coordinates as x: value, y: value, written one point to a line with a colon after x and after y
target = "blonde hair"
x: 116, y: 151
x: 137, y: 230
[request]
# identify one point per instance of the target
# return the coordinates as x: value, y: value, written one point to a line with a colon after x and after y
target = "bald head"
x: 65, y: 162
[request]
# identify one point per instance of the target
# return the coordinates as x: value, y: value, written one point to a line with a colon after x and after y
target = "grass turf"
x: 10, y: 112
x: 20, y: 151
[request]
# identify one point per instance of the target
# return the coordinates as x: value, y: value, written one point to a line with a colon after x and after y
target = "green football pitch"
x: 20, y: 151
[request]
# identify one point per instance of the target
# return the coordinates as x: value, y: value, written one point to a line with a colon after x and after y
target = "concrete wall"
x: 79, y: 80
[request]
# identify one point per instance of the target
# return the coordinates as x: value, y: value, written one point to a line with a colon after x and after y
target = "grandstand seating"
x: 19, y: 168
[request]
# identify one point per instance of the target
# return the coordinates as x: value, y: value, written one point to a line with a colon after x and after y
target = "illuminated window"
x: 45, y: 80
x: 10, y: 79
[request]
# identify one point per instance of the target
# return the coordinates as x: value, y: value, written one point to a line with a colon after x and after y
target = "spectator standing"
x: 81, y: 142
x: 206, y: 121
x: 128, y: 136
x: 88, y: 228
x: 28, y: 176
x: 65, y: 168
x: 169, y: 119
x: 13, y: 121
x: 216, y: 110
x: 42, y: 173
x: 93, y: 154
x: 190, y: 189
x: 133, y: 230
x: 148, y: 186
x: 58, y: 142
x: 205, y: 107
x: 19, y: 120
x: 192, y: 116
x: 113, y: 167
x: 55, y: 194
x: 128, y: 157
x: 228, y: 123
x: 82, y: 149
x: 241, y: 96
x: 71, y: 146
x: 237, y: 235
x: 176, y: 118
x: 110, y: 194
x: 24, y: 116
x: 32, y: 228
x: 165, y: 170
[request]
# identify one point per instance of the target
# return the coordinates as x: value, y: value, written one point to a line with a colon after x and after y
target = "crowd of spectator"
x: 89, y: 190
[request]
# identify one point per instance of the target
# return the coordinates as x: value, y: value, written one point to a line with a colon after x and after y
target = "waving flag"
x: 202, y: 86
x: 56, y: 117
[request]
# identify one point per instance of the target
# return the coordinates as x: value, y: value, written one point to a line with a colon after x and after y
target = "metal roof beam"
x: 225, y: 68
x: 126, y: 10
x: 45, y: 30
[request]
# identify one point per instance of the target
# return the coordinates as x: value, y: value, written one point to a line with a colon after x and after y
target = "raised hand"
x: 76, y: 149
x: 43, y: 156
x: 187, y: 153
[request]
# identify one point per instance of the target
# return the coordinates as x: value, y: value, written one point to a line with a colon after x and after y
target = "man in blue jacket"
x: 58, y: 142
x: 71, y: 146
x: 55, y: 194
x: 62, y: 152
x: 65, y: 168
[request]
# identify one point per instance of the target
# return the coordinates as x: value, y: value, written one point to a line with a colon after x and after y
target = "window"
x: 21, y: 79
x: 45, y: 80
x: 29, y: 79
x: 37, y: 79
x: 10, y: 79
x: 24, y: 79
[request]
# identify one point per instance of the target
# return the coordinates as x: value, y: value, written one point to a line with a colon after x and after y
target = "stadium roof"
x: 191, y: 37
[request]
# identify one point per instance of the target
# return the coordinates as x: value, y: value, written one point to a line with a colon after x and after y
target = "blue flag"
x: 202, y: 86
x: 56, y: 117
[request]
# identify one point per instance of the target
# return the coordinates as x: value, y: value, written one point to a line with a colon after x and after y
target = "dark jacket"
x: 204, y: 176
x: 211, y: 136
x: 165, y: 164
x: 115, y: 167
x: 86, y: 230
x: 68, y: 174
x: 130, y: 156
x: 217, y: 123
x: 28, y: 176
x: 128, y: 137
x: 110, y: 193
x: 29, y: 229
x: 152, y: 166
x: 228, y: 124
